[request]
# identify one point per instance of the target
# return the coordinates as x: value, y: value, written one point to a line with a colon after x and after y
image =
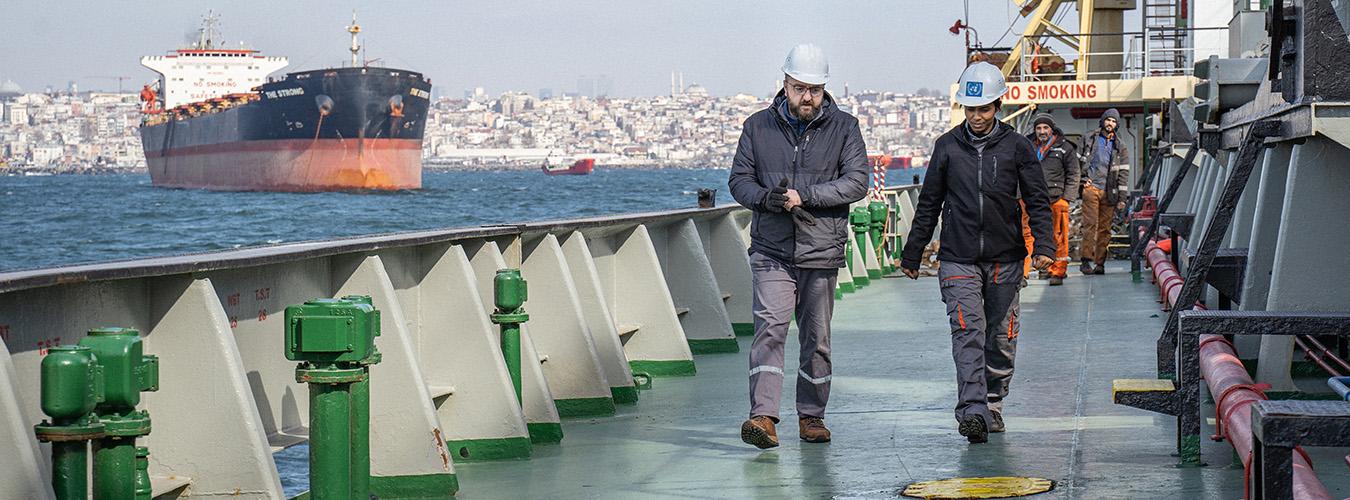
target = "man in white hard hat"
x: 976, y: 172
x: 799, y: 164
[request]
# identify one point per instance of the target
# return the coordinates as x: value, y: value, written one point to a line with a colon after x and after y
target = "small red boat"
x: 581, y: 167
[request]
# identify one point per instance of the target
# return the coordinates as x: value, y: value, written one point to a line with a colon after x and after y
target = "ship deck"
x: 890, y: 413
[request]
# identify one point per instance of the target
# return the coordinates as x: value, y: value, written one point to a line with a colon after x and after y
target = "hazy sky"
x: 727, y: 46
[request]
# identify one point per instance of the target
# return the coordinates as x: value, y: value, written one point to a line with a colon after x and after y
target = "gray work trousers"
x: 983, y: 310
x: 781, y: 289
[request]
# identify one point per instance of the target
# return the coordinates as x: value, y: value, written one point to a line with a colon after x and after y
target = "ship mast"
x: 354, y: 29
x: 209, y: 33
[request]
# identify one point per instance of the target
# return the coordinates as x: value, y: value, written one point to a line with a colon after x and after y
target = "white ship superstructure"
x: 206, y: 70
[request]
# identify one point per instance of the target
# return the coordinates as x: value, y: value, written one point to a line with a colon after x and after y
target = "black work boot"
x: 1086, y: 268
x: 973, y: 428
x: 1100, y: 269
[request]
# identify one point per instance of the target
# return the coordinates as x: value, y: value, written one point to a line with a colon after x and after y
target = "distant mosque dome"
x: 696, y: 90
x: 10, y: 89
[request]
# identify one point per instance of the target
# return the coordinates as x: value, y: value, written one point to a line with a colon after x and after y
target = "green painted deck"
x: 891, y: 414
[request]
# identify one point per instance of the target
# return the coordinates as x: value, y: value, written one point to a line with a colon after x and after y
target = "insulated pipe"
x: 1164, y: 274
x: 1226, y: 377
x: 1234, y: 389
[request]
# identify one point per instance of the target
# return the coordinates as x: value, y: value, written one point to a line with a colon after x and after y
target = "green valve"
x: 510, y: 292
x: 878, y: 212
x: 127, y: 372
x: 71, y: 383
x: 861, y: 220
x: 71, y: 388
x: 326, y: 331
x: 335, y: 341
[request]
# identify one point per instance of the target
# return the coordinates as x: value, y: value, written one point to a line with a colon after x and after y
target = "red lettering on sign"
x: 44, y: 345
x: 1053, y: 91
x: 262, y: 314
x: 234, y: 322
x: 4, y: 333
x: 232, y: 299
x: 262, y: 294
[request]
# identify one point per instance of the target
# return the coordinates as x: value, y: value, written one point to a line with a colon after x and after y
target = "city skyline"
x: 522, y: 47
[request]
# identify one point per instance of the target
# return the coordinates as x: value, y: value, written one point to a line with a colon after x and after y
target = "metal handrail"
x: 1136, y: 57
x: 289, y: 252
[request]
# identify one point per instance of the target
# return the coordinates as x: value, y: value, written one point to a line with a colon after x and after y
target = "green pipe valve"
x: 510, y: 291
x: 127, y: 372
x: 861, y: 220
x: 878, y: 213
x: 334, y: 339
x: 71, y: 388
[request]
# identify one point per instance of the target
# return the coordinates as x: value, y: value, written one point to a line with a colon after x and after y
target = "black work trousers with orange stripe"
x: 983, y: 309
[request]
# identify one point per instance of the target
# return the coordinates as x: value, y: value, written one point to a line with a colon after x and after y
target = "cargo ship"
x: 583, y: 166
x: 215, y: 120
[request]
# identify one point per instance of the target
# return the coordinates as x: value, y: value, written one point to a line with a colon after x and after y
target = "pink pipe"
x: 1234, y: 391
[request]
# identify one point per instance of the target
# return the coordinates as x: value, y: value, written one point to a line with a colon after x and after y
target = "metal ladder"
x: 1165, y: 38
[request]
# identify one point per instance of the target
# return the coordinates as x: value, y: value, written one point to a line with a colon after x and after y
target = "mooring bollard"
x: 334, y: 339
x: 877, y: 211
x: 127, y: 372
x: 510, y: 293
x: 71, y: 387
x: 862, y: 222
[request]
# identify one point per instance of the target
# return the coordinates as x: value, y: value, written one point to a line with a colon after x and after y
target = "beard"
x: 1044, y: 138
x: 806, y: 112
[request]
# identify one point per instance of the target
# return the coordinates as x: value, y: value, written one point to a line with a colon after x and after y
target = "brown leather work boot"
x: 813, y: 430
x: 759, y: 431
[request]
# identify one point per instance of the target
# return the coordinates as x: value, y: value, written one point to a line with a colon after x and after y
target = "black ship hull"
x: 321, y: 130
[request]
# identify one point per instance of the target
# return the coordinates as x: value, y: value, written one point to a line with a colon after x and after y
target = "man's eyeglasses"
x: 802, y: 89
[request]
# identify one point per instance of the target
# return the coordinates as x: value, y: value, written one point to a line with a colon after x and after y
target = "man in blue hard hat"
x: 798, y: 166
x: 974, y: 177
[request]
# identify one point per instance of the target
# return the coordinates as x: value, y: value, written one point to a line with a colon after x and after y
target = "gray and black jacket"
x: 975, y: 191
x: 1115, y: 179
x: 1060, y: 167
x: 826, y: 164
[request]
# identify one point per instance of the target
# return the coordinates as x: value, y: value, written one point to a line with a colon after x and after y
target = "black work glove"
x: 776, y: 199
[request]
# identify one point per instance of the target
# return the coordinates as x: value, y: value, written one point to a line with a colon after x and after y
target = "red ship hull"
x: 581, y: 167
x: 291, y: 165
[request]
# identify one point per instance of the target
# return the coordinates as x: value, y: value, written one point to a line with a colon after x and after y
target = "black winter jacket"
x: 1060, y: 166
x: 827, y: 165
x: 975, y: 193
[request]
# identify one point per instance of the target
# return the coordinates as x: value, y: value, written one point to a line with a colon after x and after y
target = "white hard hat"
x: 807, y: 64
x: 981, y: 83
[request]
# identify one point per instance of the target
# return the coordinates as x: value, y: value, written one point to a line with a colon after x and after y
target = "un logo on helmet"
x: 974, y: 89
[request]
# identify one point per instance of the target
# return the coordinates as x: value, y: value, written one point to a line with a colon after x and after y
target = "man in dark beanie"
x: 1059, y: 162
x: 1106, y: 173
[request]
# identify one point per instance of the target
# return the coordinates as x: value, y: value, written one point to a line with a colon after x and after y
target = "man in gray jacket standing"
x: 1106, y: 177
x: 799, y: 164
